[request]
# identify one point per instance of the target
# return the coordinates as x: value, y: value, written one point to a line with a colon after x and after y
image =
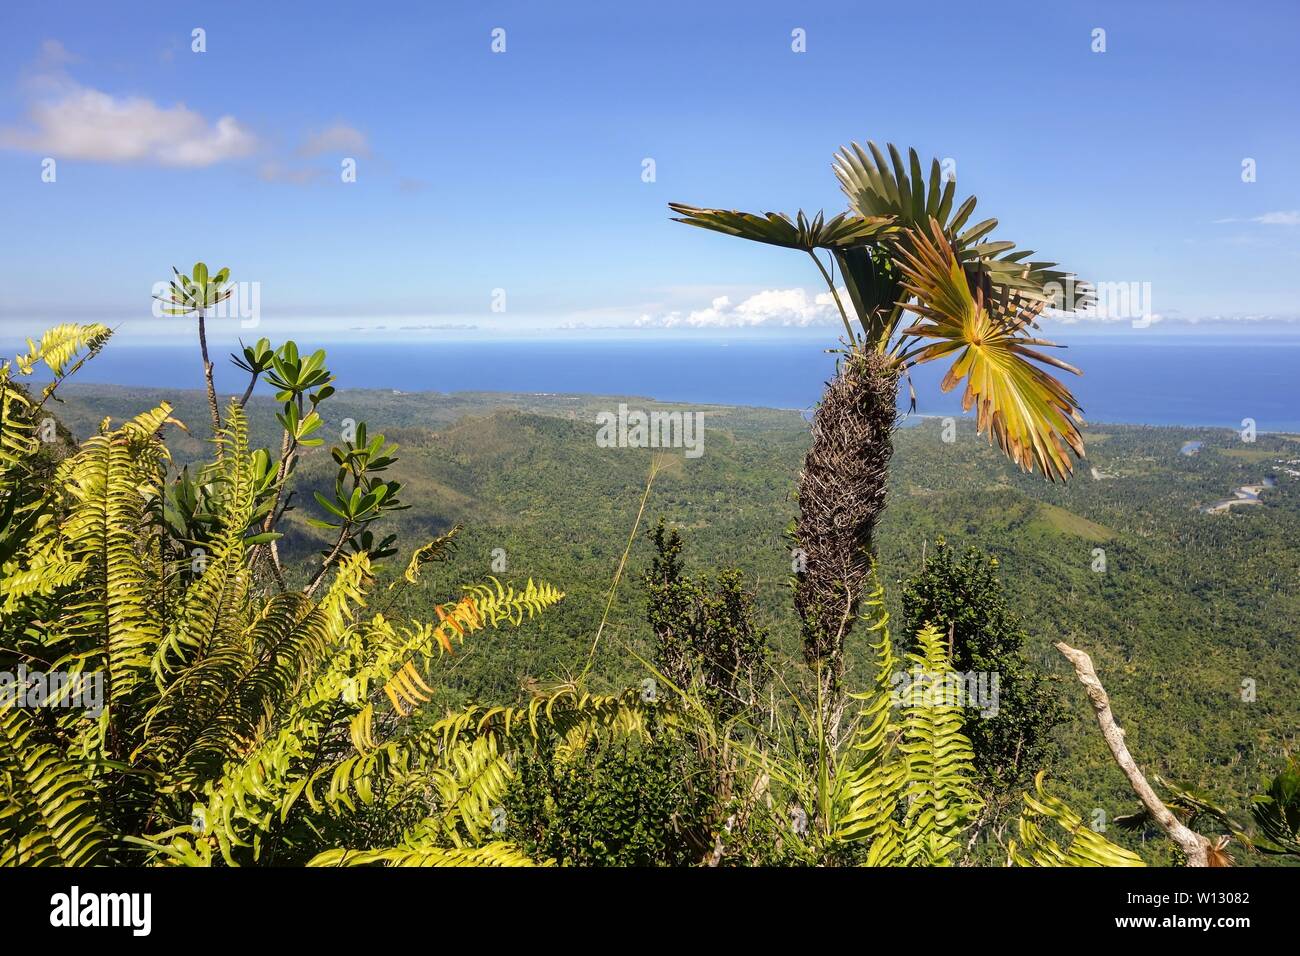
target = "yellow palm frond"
x: 1032, y: 416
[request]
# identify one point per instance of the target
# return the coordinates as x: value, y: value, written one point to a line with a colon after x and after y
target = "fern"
x: 491, y: 854
x: 437, y: 550
x: 61, y: 344
x: 899, y: 792
x: 939, y: 794
x: 470, y: 787
x: 870, y: 793
x: 17, y: 439
x: 497, y: 603
x: 1083, y: 846
x: 213, y: 607
x: 47, y: 814
x: 110, y: 481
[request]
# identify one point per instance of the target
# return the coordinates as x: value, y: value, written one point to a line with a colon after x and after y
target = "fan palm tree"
x: 923, y: 284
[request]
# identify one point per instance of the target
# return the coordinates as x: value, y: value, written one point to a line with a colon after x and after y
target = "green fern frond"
x: 432, y: 751
x: 867, y: 802
x: 481, y: 606
x: 213, y: 608
x: 492, y: 854
x: 437, y: 550
x: 60, y: 345
x: 940, y: 797
x: 218, y: 708
x: 470, y: 786
x: 48, y: 816
x: 110, y: 482
x: 499, y: 603
x: 1083, y: 845
x: 18, y: 440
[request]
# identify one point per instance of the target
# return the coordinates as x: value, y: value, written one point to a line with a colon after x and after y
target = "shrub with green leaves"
x: 614, y: 802
x: 960, y: 594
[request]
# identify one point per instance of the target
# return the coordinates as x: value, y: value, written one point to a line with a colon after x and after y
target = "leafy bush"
x: 615, y: 803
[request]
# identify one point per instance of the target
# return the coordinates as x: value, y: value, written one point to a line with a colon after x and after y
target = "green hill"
x: 1191, y: 611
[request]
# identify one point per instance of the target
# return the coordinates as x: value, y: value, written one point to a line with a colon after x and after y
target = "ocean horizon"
x: 1208, y: 382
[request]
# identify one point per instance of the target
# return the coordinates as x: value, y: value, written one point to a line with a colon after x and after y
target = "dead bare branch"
x: 1194, y: 846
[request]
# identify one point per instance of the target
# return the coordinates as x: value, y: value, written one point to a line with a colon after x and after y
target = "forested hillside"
x: 1192, y: 618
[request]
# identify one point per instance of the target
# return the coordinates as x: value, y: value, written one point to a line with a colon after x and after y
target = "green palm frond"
x: 846, y: 236
x: 778, y: 229
x: 876, y: 186
x: 879, y: 246
x: 1030, y: 414
x: 1083, y: 846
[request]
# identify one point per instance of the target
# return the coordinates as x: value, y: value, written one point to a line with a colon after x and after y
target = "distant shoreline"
x: 1137, y: 382
x: 89, y: 389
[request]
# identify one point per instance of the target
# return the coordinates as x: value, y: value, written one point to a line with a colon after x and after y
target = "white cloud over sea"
x: 69, y: 120
x: 789, y: 308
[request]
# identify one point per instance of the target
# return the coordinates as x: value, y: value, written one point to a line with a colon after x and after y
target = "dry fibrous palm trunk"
x: 841, y: 496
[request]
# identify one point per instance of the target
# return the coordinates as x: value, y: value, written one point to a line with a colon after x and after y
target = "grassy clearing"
x: 1071, y: 523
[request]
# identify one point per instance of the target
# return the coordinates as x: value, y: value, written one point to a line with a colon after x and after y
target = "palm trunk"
x: 841, y: 497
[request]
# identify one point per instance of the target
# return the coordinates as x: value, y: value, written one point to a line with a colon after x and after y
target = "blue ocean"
x: 1213, y: 380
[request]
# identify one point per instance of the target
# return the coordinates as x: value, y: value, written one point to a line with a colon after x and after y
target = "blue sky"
x: 522, y: 170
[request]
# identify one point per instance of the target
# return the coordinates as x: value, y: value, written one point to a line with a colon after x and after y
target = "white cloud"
x: 1281, y: 217
x: 69, y: 120
x: 772, y: 307
x: 1288, y: 217
x: 1102, y: 317
x: 338, y: 139
x: 83, y: 123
